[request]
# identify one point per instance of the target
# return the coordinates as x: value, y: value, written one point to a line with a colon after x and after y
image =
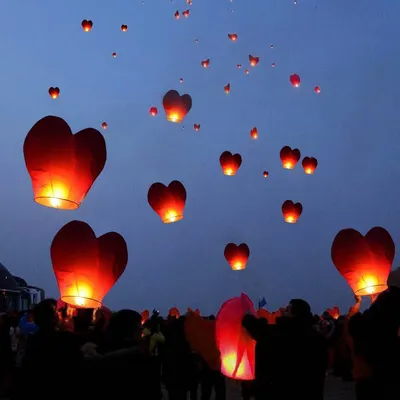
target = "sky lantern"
x: 186, y: 13
x: 153, y: 111
x: 63, y: 166
x: 167, y: 201
x: 87, y: 25
x: 54, y: 92
x: 145, y: 316
x: 265, y: 174
x: 104, y: 125
x: 334, y: 312
x: 230, y: 163
x: 233, y: 36
x: 295, y: 80
x: 180, y: 80
x: 196, y: 127
x: 254, y: 133
x: 236, y: 347
x: 237, y: 256
x: 114, y: 55
x: 253, y: 60
x: 86, y: 267
x: 364, y: 261
x: 177, y: 15
x: 317, y: 89
x: 174, y: 312
x: 206, y: 63
x: 289, y: 157
x: 273, y: 65
x: 124, y: 28
x: 227, y: 88
x: 309, y: 164
x: 238, y: 66
x: 246, y: 71
x: 291, y: 211
x: 176, y: 106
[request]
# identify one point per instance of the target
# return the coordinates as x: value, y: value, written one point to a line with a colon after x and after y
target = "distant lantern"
x: 237, y: 256
x: 176, y: 106
x: 253, y: 60
x: 364, y: 261
x: 104, y: 125
x: 254, y: 133
x: 86, y: 267
x: 232, y: 36
x: 196, y: 127
x: 186, y: 13
x: 124, y: 28
x: 177, y: 15
x: 309, y: 164
x: 227, y: 88
x: 289, y: 157
x: 235, y: 345
x: 238, y: 66
x: 230, y: 163
x: 114, y: 55
x: 167, y: 201
x: 63, y: 166
x: 291, y: 211
x: 54, y: 92
x: 87, y: 25
x: 266, y: 174
x: 295, y: 80
x: 174, y: 312
x: 153, y: 111
x: 317, y: 89
x: 206, y: 63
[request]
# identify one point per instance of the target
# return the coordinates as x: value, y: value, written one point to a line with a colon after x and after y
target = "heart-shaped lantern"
x: 289, y: 157
x: 237, y: 256
x: 176, y: 106
x: 87, y: 267
x: 364, y: 261
x: 63, y: 166
x: 230, y: 163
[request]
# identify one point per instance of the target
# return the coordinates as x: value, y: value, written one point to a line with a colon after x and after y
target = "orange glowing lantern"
x: 153, y: 111
x: 239, y: 66
x: 317, y: 89
x: 295, y: 80
x: 309, y: 164
x: 237, y: 256
x: 124, y: 28
x: 253, y: 60
x: 196, y: 127
x: 176, y: 106
x: 364, y: 261
x: 104, y: 125
x: 291, y: 211
x: 206, y: 63
x: 246, y: 71
x: 86, y: 267
x: 266, y: 174
x: 176, y: 15
x: 186, y: 13
x: 174, y: 312
x: 254, y: 133
x: 167, y: 201
x: 233, y: 36
x: 63, y: 166
x: 227, y: 88
x: 230, y: 163
x: 54, y: 92
x: 145, y: 316
x: 289, y: 157
x: 87, y: 25
x: 236, y: 347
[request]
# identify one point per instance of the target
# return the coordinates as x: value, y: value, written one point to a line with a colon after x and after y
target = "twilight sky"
x: 352, y: 127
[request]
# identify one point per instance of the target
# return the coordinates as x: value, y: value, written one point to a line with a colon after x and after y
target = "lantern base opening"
x: 238, y: 267
x: 174, y: 118
x: 290, y: 220
x: 81, y: 302
x: 56, y: 202
x: 372, y: 289
x: 171, y: 219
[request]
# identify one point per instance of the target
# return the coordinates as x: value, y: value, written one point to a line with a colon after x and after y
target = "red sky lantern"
x: 104, y: 125
x: 227, y: 88
x: 196, y: 127
x: 176, y: 106
x: 176, y: 15
x: 236, y: 347
x: 54, y: 92
x: 289, y: 157
x: 317, y: 89
x: 295, y: 80
x: 254, y: 133
x: 253, y: 60
x: 206, y: 63
x: 309, y: 164
x: 232, y: 36
x: 114, y: 55
x: 230, y: 163
x: 237, y: 256
x: 86, y: 267
x: 364, y: 261
x: 186, y: 13
x: 153, y: 111
x: 124, y: 28
x: 145, y: 316
x: 63, y: 166
x: 87, y: 25
x: 174, y: 312
x: 167, y: 201
x: 266, y: 174
x: 180, y: 80
x: 291, y: 211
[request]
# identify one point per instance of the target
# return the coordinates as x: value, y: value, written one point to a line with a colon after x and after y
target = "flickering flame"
x: 290, y: 219
x: 79, y: 301
x: 288, y: 165
x: 229, y: 172
x: 56, y: 195
x: 229, y: 364
x: 309, y: 171
x: 238, y: 265
x: 171, y: 216
x: 174, y: 117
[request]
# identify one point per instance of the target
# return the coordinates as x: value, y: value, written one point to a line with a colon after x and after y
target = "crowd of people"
x: 56, y: 352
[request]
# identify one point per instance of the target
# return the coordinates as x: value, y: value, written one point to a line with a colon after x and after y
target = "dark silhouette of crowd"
x: 51, y: 353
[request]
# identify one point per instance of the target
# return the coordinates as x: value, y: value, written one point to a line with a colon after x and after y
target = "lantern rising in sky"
x: 237, y: 256
x: 104, y: 125
x: 176, y: 106
x: 295, y: 80
x: 309, y: 165
x: 253, y: 60
x: 167, y: 201
x: 63, y: 166
x: 86, y: 267
x: 230, y: 163
x: 206, y: 63
x: 291, y: 211
x: 364, y: 261
x: 196, y: 127
x: 233, y: 37
x: 87, y: 25
x: 227, y: 88
x: 177, y: 15
x: 236, y: 347
x: 265, y: 174
x: 153, y: 111
x: 289, y: 157
x: 54, y: 92
x: 186, y: 13
x: 254, y: 133
x: 124, y: 28
x: 317, y: 89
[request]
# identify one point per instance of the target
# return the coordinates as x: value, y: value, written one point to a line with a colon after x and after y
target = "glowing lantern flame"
x: 176, y: 107
x: 309, y: 164
x: 230, y: 163
x: 289, y: 157
x: 291, y: 211
x: 254, y: 133
x: 364, y: 261
x: 237, y: 256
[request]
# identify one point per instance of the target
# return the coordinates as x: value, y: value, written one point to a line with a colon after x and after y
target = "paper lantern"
x: 233, y: 36
x: 54, y: 92
x: 364, y: 261
x: 254, y: 133
x: 167, y: 201
x: 227, y: 88
x: 153, y: 111
x: 295, y: 80
x: 253, y: 60
x: 289, y: 157
x: 87, y: 25
x: 291, y: 211
x: 309, y: 164
x: 206, y: 63
x: 176, y: 106
x: 124, y: 28
x: 86, y: 267
x: 63, y: 166
x: 145, y: 316
x: 237, y: 256
x: 174, y: 312
x: 230, y: 163
x: 186, y: 13
x: 235, y: 345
